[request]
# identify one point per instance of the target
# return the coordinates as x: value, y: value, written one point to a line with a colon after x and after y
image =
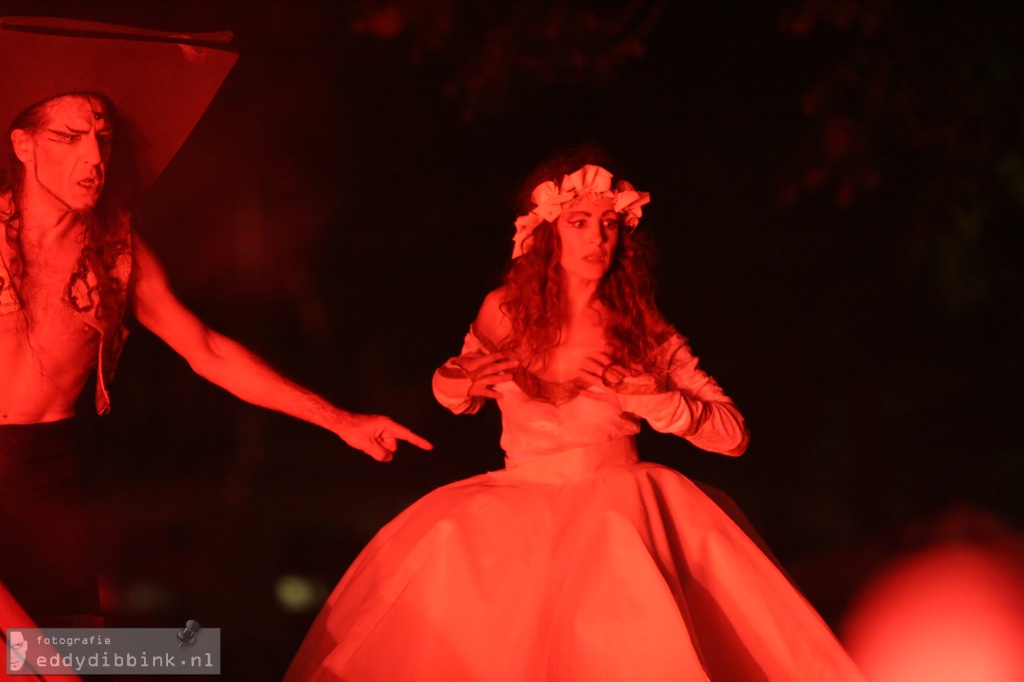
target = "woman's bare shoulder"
x: 492, y: 321
x: 658, y: 326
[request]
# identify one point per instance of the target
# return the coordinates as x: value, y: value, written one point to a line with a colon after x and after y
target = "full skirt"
x: 587, y: 566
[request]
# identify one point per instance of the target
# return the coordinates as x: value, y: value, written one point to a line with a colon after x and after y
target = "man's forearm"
x: 238, y: 370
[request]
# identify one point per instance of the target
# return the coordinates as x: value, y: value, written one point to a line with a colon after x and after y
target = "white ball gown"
x: 577, y: 562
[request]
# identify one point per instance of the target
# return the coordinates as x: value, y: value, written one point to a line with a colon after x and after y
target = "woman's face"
x: 589, y: 233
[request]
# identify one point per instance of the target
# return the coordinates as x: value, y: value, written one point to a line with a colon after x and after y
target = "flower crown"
x: 589, y: 181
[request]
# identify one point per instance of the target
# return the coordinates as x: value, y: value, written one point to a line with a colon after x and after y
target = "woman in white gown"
x: 577, y: 561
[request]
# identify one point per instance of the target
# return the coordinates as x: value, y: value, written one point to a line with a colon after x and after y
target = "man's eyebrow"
x: 75, y: 131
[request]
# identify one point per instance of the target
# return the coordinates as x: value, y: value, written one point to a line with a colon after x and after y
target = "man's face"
x: 18, y: 650
x: 67, y: 158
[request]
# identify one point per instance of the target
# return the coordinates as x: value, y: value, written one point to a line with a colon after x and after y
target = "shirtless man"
x: 70, y: 268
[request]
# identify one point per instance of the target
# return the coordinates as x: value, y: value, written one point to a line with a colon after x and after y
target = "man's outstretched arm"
x: 235, y: 368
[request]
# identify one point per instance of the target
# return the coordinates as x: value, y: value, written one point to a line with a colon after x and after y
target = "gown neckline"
x: 559, y: 393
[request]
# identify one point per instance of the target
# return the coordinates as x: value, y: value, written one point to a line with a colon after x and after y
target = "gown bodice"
x: 542, y: 417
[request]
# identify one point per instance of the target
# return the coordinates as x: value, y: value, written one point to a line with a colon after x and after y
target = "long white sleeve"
x: 687, y: 402
x: 451, y: 382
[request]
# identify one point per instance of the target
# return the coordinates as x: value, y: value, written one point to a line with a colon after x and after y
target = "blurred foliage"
x: 500, y: 50
x: 922, y: 106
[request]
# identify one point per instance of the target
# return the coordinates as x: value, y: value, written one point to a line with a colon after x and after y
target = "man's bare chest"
x: 45, y: 317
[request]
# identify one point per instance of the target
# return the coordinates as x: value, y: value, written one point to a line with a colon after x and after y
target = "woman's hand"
x: 602, y: 373
x: 484, y: 371
x: 601, y: 376
x: 605, y: 379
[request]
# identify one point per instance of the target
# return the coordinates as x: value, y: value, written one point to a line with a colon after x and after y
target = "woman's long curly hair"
x: 100, y: 248
x: 535, y: 296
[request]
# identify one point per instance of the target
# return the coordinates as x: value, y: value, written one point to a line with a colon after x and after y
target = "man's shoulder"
x: 120, y: 228
x: 6, y: 205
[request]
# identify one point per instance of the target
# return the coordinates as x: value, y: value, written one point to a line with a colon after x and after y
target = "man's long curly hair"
x: 534, y: 297
x: 100, y: 247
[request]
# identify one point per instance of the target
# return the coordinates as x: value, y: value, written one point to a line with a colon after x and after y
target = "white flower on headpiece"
x: 590, y: 180
x: 629, y: 201
x: 548, y: 199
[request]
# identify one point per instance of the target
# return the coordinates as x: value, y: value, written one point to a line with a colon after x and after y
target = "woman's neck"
x: 579, y: 295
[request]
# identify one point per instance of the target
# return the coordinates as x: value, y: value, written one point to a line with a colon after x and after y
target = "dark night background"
x: 837, y: 200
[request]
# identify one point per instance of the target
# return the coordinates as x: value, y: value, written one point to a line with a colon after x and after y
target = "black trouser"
x: 45, y: 557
